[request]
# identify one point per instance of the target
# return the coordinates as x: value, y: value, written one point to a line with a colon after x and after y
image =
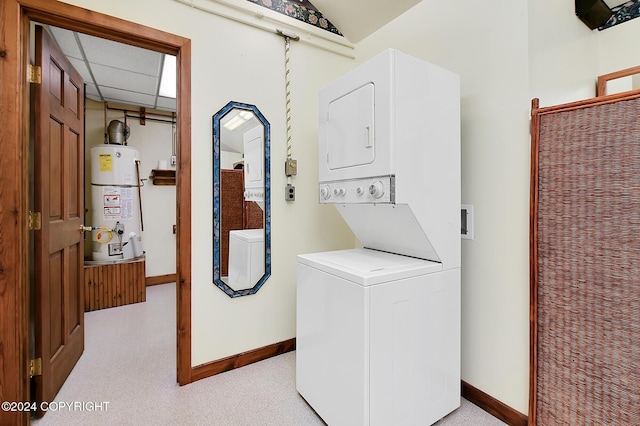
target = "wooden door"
x: 58, y: 193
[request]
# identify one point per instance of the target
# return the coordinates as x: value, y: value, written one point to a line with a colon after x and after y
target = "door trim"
x: 14, y: 237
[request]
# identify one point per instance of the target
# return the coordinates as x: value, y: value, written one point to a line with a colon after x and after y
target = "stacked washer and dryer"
x: 378, y: 328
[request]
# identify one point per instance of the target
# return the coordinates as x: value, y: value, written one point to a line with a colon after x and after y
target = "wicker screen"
x: 586, y: 264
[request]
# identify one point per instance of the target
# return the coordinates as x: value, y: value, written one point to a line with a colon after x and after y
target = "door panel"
x: 58, y: 188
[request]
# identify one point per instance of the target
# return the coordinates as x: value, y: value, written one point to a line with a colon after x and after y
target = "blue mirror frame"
x: 217, y: 278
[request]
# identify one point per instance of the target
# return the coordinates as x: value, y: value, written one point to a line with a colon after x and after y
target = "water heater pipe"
x: 139, y: 194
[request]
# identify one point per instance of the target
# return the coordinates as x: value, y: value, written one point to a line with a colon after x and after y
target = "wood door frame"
x: 16, y: 16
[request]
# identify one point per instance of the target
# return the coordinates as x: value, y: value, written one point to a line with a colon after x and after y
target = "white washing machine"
x: 378, y: 338
x: 378, y: 329
x: 246, y: 258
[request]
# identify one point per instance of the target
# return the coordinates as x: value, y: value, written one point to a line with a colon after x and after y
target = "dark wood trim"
x: 601, y: 86
x: 590, y: 102
x: 236, y: 361
x: 183, y: 215
x: 100, y: 25
x: 533, y: 260
x: 161, y: 279
x: 14, y: 237
x: 492, y: 406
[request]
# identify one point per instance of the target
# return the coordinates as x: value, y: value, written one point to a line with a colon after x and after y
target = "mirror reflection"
x: 241, y: 199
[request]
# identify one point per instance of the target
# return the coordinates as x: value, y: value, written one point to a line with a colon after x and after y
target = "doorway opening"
x: 103, y: 26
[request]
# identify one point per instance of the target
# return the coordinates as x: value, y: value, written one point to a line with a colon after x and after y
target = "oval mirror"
x: 241, y: 200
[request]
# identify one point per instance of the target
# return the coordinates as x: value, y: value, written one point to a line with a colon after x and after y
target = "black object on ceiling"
x: 594, y: 13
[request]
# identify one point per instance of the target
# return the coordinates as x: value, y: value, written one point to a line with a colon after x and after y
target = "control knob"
x: 376, y: 189
x: 325, y: 192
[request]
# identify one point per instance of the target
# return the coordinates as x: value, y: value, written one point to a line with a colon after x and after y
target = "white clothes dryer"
x: 378, y: 338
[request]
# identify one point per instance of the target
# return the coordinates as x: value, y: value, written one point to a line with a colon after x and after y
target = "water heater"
x: 115, y: 201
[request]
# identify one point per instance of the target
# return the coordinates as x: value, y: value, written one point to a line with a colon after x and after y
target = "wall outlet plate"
x: 290, y: 193
x: 466, y: 221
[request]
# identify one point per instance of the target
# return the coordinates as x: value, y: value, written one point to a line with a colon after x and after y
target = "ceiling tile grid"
x: 115, y: 72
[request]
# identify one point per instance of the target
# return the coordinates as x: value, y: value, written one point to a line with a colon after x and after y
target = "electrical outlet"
x: 173, y: 160
x: 291, y: 167
x: 290, y: 193
x: 466, y: 221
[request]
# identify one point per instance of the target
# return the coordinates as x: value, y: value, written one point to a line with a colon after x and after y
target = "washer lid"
x: 368, y: 267
x: 248, y: 235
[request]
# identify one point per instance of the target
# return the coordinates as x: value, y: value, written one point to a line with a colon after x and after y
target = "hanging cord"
x: 287, y: 80
x: 287, y: 85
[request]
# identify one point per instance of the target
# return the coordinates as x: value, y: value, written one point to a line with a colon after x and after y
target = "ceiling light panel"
x: 168, y: 78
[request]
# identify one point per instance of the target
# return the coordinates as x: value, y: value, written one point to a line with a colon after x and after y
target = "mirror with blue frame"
x: 241, y: 199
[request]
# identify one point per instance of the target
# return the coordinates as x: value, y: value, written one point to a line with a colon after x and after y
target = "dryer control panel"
x: 373, y: 190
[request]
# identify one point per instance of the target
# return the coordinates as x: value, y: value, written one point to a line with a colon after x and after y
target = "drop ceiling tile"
x: 66, y: 41
x: 81, y: 67
x: 124, y: 74
x: 120, y: 55
x: 125, y: 80
x: 166, y: 103
x: 91, y: 91
x: 125, y: 97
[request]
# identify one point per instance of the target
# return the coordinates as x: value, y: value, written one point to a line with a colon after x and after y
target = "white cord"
x: 287, y: 80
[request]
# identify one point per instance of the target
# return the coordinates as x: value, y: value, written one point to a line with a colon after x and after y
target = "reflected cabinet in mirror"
x: 241, y: 200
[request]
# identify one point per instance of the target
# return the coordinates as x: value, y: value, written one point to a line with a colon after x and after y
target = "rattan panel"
x: 588, y: 251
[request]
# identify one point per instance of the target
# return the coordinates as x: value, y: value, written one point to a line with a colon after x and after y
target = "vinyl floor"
x: 127, y: 376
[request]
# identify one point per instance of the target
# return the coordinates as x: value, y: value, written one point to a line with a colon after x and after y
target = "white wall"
x: 154, y: 142
x: 563, y: 64
x: 566, y: 57
x: 487, y: 47
x: 618, y: 47
x: 232, y: 61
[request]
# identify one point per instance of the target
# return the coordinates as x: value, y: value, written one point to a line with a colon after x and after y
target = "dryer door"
x: 351, y: 135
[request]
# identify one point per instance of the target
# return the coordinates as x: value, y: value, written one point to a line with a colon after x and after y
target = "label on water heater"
x: 106, y: 163
x: 117, y: 203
